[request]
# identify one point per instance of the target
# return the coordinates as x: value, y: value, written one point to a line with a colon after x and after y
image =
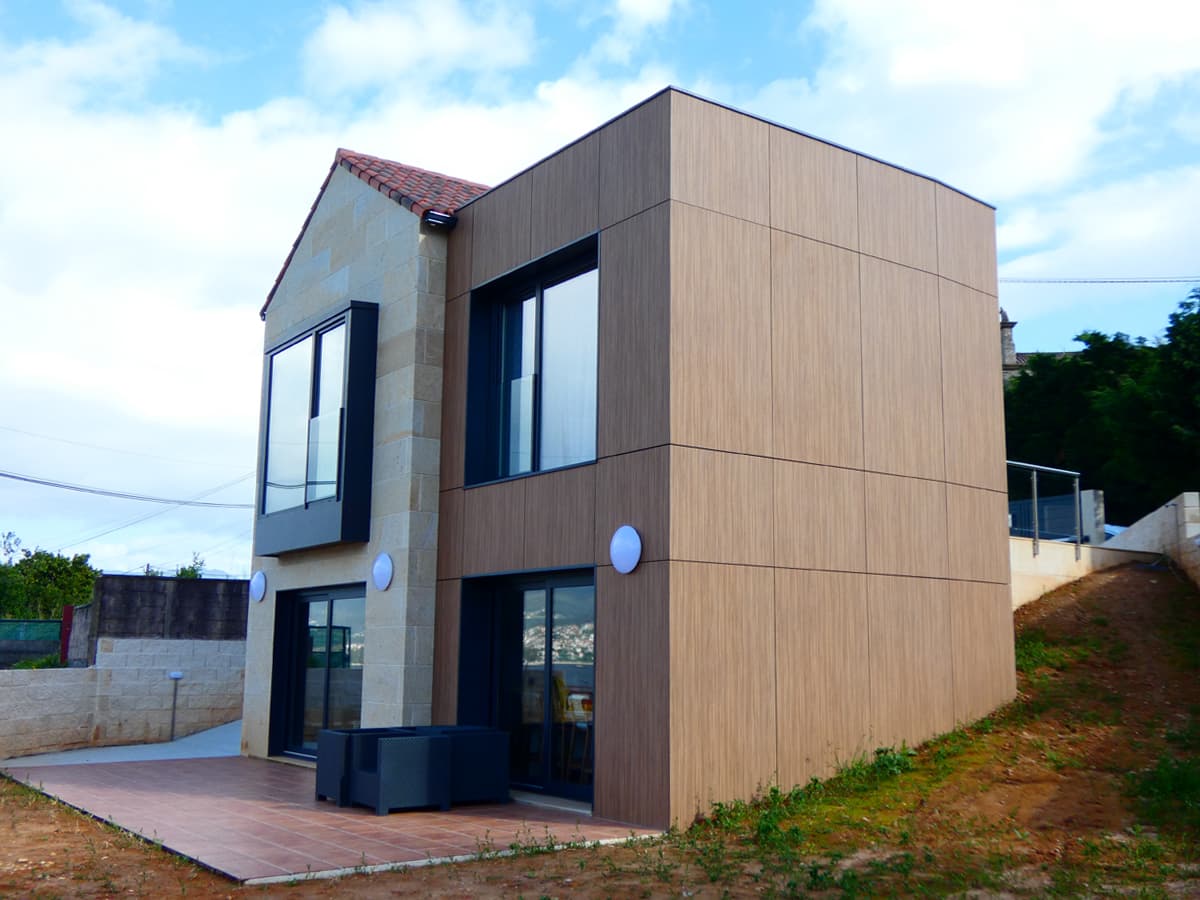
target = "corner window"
x: 532, y: 379
x: 319, y: 397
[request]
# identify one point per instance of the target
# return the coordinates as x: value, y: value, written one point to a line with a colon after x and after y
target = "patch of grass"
x: 1169, y: 793
x: 1058, y: 761
x: 1035, y: 650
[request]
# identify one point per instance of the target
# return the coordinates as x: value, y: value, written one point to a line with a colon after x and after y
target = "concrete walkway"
x: 224, y: 740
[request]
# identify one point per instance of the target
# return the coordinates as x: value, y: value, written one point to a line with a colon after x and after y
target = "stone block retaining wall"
x: 124, y: 698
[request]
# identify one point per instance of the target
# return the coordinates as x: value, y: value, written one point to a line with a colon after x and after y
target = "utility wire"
x: 157, y: 512
x: 121, y: 495
x: 1150, y: 279
x: 47, y: 437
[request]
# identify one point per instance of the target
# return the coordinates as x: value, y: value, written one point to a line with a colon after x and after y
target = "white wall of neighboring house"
x: 1173, y: 529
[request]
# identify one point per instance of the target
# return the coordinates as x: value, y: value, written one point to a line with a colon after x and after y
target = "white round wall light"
x: 625, y: 549
x: 258, y: 586
x: 381, y: 572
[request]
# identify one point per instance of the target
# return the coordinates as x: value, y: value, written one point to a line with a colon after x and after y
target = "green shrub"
x: 49, y: 661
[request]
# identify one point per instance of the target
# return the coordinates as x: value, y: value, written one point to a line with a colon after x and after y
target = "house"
x: 1012, y: 362
x: 773, y: 358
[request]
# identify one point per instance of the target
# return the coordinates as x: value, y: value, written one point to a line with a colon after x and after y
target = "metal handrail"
x: 1033, y: 475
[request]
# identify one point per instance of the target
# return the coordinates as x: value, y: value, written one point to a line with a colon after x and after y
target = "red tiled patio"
x: 256, y: 820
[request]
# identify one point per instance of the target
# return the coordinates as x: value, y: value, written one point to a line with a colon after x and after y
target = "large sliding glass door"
x: 547, y: 683
x: 324, y: 687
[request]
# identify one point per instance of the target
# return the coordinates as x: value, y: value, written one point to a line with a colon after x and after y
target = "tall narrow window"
x: 325, y: 426
x: 532, y: 380
x: 304, y: 422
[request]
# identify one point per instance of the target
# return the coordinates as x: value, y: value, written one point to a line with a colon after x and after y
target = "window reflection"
x: 304, y: 420
x: 287, y: 427
x: 569, y: 327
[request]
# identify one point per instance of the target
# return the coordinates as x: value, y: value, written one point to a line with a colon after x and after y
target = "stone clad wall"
x: 124, y: 698
x: 359, y: 245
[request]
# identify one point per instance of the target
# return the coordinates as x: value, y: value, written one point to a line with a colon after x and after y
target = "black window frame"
x: 485, y: 403
x: 345, y: 517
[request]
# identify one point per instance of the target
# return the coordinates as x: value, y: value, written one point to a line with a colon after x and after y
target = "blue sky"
x: 160, y: 156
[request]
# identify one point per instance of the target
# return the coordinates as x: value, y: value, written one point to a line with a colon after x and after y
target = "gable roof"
x: 417, y: 190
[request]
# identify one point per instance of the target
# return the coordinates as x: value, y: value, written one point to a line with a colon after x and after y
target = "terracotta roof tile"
x: 417, y: 190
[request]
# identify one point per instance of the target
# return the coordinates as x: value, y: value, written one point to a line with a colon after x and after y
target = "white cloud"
x: 643, y: 13
x: 631, y: 20
x: 1000, y: 100
x: 377, y: 44
x: 114, y: 61
x: 1139, y: 227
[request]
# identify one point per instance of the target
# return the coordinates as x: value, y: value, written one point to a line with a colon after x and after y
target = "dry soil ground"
x: 1087, y: 784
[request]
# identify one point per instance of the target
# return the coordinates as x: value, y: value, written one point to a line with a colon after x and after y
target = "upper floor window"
x: 304, y: 441
x: 319, y: 399
x: 532, y: 380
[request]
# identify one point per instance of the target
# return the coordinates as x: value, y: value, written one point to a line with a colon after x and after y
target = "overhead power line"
x: 1141, y: 279
x: 109, y: 529
x: 121, y: 495
x: 60, y: 440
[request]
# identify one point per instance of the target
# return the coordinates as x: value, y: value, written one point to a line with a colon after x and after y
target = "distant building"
x: 1012, y: 362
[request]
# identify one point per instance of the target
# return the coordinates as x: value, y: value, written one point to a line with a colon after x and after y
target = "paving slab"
x: 257, y: 820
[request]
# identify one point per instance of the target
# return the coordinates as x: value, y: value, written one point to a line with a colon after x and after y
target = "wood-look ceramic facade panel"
x: 565, y: 197
x: 902, y: 372
x: 719, y: 160
x: 820, y: 517
x: 635, y: 160
x: 633, y: 383
x: 722, y: 684
x: 823, y: 672
x: 814, y: 189
x: 633, y: 779
x: 720, y: 331
x: 981, y: 641
x: 816, y: 352
x: 972, y: 387
x: 775, y: 351
x: 912, y: 684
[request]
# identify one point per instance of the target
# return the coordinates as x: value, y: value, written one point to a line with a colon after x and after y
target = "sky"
x: 159, y: 157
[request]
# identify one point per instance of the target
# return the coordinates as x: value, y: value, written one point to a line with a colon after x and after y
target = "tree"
x: 38, y: 584
x: 195, y: 570
x: 1125, y: 413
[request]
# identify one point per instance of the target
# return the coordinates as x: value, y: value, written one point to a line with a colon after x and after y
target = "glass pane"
x: 324, y: 433
x: 287, y: 427
x: 568, y: 375
x: 519, y: 359
x: 520, y: 426
x: 332, y: 376
x: 528, y: 761
x: 324, y: 430
x: 347, y: 633
x: 313, y: 687
x: 573, y: 680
